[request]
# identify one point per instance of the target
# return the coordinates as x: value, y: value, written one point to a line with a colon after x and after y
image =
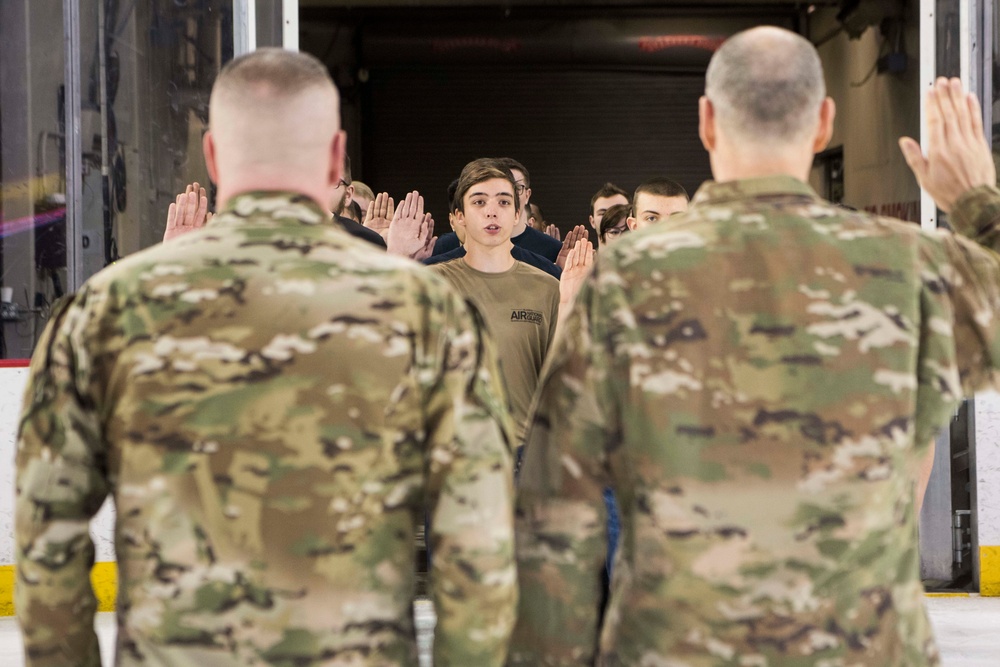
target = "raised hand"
x: 578, y: 262
x: 427, y: 231
x: 407, y: 231
x: 188, y: 213
x: 554, y: 232
x: 378, y: 217
x: 958, y: 157
x: 572, y: 236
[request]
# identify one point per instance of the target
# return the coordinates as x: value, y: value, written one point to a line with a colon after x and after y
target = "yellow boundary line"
x: 989, y: 571
x: 103, y: 577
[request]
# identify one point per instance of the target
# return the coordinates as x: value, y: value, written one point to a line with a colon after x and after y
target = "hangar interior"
x: 103, y: 104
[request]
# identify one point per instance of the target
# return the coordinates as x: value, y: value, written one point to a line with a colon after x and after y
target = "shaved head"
x: 766, y: 85
x: 273, y: 117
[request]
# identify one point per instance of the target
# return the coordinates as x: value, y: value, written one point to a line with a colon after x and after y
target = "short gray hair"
x: 766, y: 84
x: 278, y: 74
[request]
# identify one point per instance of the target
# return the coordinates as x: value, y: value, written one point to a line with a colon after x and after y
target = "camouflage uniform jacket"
x: 758, y: 380
x: 274, y: 405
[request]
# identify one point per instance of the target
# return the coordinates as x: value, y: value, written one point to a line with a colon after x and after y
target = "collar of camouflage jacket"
x: 278, y: 206
x: 712, y: 192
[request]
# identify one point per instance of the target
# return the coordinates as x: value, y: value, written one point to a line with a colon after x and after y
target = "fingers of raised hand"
x: 172, y: 214
x: 410, y: 204
x: 191, y: 208
x: 935, y: 118
x: 960, y: 107
x: 404, y: 206
x: 976, y: 112
x: 914, y: 158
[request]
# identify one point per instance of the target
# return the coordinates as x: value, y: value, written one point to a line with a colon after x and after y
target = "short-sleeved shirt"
x: 518, y: 253
x: 520, y: 307
x: 758, y: 379
x: 274, y: 405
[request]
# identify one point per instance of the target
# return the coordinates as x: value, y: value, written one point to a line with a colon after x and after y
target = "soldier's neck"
x: 238, y: 184
x: 753, y: 162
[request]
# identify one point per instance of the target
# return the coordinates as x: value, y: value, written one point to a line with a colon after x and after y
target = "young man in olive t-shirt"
x: 519, y: 303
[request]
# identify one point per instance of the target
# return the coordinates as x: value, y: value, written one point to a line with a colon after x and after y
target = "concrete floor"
x: 968, y: 633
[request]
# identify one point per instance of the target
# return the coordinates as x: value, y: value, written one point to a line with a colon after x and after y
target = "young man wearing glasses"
x: 614, y: 223
x: 524, y: 235
x: 343, y: 195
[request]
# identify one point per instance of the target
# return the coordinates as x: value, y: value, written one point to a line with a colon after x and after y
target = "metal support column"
x: 928, y: 72
x: 290, y: 24
x: 244, y: 27
x: 74, y: 147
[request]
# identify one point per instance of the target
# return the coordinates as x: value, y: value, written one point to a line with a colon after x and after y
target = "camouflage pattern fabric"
x: 274, y: 406
x: 758, y: 380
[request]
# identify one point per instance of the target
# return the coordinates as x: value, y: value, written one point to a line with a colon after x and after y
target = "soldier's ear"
x: 208, y: 148
x: 337, y: 159
x: 706, y: 123
x: 824, y: 130
x: 631, y: 222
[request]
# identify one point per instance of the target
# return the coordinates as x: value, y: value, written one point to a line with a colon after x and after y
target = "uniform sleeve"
x: 61, y: 484
x: 560, y: 513
x: 972, y: 279
x: 470, y: 494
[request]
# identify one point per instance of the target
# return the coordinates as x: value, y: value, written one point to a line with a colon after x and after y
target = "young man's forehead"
x: 492, y: 186
x: 647, y: 201
x: 604, y: 203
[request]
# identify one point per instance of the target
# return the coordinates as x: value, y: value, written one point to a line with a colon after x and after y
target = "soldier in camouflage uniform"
x: 759, y: 380
x: 274, y: 405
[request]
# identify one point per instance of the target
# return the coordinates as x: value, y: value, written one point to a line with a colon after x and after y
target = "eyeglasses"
x: 343, y: 183
x: 520, y: 188
x: 615, y: 232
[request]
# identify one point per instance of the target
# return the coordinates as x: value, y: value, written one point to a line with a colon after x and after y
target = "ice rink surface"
x: 968, y: 633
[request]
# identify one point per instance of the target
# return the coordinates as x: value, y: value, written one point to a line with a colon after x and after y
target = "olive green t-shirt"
x: 520, y: 307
